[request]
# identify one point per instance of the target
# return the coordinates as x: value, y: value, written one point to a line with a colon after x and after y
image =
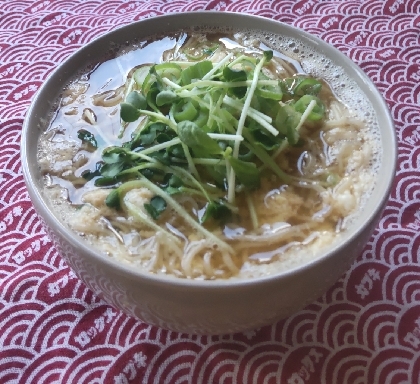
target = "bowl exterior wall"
x: 203, y: 310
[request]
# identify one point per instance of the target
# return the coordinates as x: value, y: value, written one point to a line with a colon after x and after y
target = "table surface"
x: 365, y: 329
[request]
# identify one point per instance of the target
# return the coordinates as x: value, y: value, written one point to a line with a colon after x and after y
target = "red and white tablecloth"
x: 365, y: 329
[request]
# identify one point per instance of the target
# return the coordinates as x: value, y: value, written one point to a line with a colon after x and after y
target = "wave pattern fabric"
x: 365, y: 329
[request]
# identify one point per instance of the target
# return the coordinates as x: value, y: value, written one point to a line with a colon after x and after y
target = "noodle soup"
x: 210, y: 155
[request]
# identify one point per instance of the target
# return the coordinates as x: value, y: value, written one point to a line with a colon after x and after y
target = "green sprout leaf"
x: 87, y: 137
x: 268, y: 55
x: 113, y: 199
x: 137, y: 100
x: 265, y: 139
x: 105, y: 181
x: 149, y: 134
x: 194, y: 137
x: 216, y: 211
x: 172, y: 184
x: 233, y: 75
x: 128, y: 112
x: 218, y: 174
x: 196, y: 71
x: 246, y: 172
x: 152, y: 95
x: 89, y: 175
x: 111, y: 170
x: 156, y: 206
x: 113, y: 155
x: 286, y: 121
x: 166, y: 97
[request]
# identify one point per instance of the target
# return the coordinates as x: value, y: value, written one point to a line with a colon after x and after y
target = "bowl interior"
x: 40, y: 112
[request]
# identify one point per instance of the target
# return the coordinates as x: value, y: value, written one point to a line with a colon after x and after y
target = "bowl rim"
x: 51, y: 219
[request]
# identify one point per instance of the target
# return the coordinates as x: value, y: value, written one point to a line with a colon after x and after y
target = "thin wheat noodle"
x: 108, y: 98
x: 252, y: 241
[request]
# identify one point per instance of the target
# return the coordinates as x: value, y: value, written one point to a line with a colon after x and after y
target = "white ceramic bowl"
x: 206, y: 307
